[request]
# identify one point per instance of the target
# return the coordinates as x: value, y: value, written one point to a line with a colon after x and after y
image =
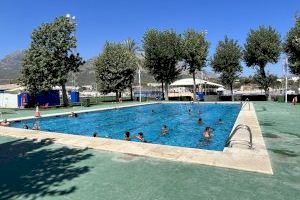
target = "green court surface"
x: 43, y: 170
x: 6, y: 113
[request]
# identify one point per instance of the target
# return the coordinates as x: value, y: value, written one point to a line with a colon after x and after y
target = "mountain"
x: 10, y: 66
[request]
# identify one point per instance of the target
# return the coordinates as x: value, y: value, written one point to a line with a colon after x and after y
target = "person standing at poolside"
x: 295, y: 100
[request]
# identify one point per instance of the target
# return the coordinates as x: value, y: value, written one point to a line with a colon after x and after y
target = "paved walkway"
x: 44, y: 170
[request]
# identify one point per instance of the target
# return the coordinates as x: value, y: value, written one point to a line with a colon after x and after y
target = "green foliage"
x: 49, y: 58
x: 131, y: 45
x: 292, y: 47
x: 195, y: 50
x: 262, y: 46
x: 115, y: 68
x: 227, y: 61
x: 162, y: 52
x: 270, y: 80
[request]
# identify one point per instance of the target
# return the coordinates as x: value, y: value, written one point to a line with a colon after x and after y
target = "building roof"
x: 10, y: 87
x: 189, y: 82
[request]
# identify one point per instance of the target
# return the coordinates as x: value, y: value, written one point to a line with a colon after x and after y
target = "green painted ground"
x: 16, y: 113
x: 30, y: 170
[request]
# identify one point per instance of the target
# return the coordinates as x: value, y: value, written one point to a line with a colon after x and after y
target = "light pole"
x: 140, y: 86
x: 72, y: 20
x: 286, y: 79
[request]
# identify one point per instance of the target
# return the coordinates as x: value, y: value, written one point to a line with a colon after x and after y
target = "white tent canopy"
x: 189, y: 82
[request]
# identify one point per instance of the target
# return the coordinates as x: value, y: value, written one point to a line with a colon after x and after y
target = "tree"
x: 132, y: 47
x: 115, y: 68
x: 291, y: 47
x: 195, y: 50
x: 262, y: 47
x: 227, y: 61
x: 162, y: 53
x: 49, y: 58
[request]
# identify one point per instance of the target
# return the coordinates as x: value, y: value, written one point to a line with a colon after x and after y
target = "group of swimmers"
x: 34, y: 127
x: 140, y: 135
x: 25, y: 126
x: 164, y: 131
x: 207, y: 134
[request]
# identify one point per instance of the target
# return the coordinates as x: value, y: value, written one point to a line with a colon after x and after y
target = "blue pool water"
x: 184, y: 129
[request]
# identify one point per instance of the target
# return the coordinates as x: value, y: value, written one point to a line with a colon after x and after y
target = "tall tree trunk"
x: 265, y: 86
x: 162, y: 90
x: 64, y: 95
x: 166, y: 91
x: 131, y: 93
x: 117, y: 96
x: 231, y: 89
x: 194, y: 86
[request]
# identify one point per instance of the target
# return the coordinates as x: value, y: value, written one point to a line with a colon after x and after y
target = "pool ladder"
x: 244, y: 103
x: 241, y: 126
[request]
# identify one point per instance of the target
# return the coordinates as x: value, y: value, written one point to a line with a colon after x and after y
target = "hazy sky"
x: 116, y: 20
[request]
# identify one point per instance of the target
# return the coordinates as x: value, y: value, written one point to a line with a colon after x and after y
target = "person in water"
x: 200, y: 122
x: 73, y: 114
x: 190, y: 111
x: 36, y: 126
x: 25, y: 126
x: 221, y: 121
x: 207, y: 133
x: 95, y: 134
x: 164, y: 130
x: 127, y: 136
x: 140, y: 137
x: 4, y: 123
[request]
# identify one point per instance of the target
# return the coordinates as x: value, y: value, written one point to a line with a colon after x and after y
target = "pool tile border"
x: 236, y: 157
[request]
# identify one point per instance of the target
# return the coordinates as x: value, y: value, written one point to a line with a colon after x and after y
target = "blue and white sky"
x: 115, y: 20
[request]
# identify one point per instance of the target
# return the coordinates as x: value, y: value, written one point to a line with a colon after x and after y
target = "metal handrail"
x: 240, y: 126
x: 244, y: 103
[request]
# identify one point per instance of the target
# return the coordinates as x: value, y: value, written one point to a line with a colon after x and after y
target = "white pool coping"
x: 236, y: 157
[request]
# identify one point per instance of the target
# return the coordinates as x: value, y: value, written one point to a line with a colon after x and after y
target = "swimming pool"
x: 184, y: 128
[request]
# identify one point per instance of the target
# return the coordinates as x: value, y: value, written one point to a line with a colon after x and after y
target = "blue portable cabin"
x: 44, y: 98
x: 74, y: 96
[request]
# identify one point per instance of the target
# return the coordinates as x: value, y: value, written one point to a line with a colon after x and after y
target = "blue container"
x: 23, y: 100
x: 200, y: 96
x: 74, y: 96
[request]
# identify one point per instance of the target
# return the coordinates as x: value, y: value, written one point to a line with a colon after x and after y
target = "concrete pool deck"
x: 49, y: 171
x: 236, y: 157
